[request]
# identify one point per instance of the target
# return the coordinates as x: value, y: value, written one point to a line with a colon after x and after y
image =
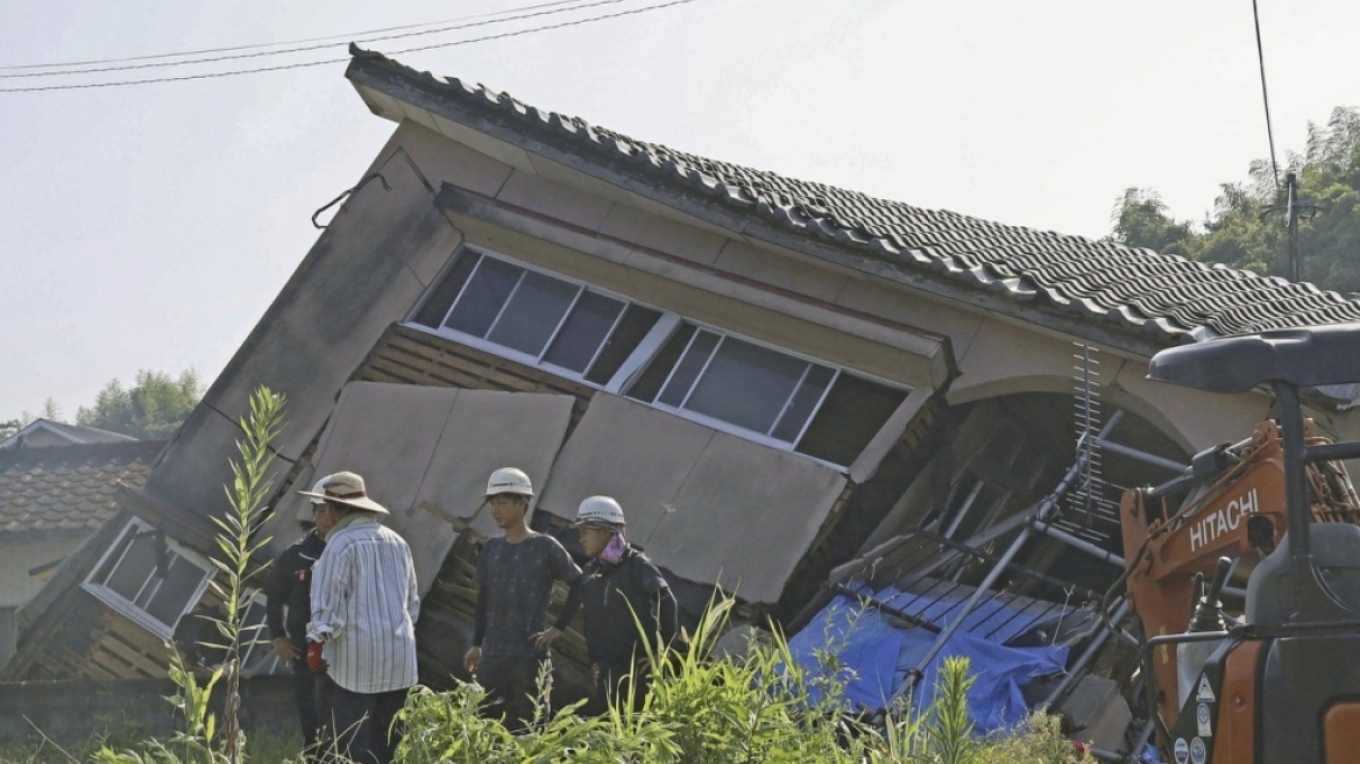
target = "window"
x: 699, y: 372
x: 799, y: 404
x: 149, y: 578
x: 538, y: 318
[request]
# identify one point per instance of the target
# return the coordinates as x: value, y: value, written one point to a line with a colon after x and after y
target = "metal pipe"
x: 1087, y: 655
x: 1049, y: 505
x: 967, y: 505
x: 1078, y: 543
x: 1141, y: 456
x: 982, y: 539
x: 1332, y: 452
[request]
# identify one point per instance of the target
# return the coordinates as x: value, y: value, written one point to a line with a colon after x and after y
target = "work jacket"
x: 617, y: 598
x: 290, y: 587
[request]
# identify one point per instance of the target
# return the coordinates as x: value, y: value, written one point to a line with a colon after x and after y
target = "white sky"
x: 149, y: 227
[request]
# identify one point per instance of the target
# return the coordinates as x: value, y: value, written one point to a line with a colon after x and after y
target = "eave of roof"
x: 75, y: 433
x: 1129, y: 298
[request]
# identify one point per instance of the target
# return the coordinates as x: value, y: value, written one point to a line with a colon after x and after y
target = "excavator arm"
x: 1235, y: 509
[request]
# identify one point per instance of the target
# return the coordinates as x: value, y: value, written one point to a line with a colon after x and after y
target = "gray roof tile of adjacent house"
x: 1166, y: 298
x: 68, y: 489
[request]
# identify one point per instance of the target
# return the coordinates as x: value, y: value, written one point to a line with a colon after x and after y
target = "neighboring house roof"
x: 48, y: 433
x: 1164, y: 298
x: 68, y: 489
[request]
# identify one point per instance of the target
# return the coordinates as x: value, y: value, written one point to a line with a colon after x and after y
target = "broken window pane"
x: 746, y: 385
x: 634, y: 325
x: 486, y: 293
x: 436, y: 307
x: 849, y: 418
x: 534, y: 313
x: 584, y: 330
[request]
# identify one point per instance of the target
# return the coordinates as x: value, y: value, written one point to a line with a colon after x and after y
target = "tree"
x: 1242, y: 233
x: 152, y: 409
x: 1141, y: 220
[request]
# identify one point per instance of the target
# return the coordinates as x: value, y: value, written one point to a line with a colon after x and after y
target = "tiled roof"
x: 68, y: 489
x: 1166, y: 298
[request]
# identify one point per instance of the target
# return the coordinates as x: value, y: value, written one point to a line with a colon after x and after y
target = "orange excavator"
x: 1281, y: 683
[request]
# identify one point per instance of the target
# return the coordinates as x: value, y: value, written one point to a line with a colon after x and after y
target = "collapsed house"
x: 797, y: 392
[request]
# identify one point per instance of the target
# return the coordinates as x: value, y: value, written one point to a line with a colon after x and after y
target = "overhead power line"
x: 1265, y: 95
x: 282, y: 67
x: 254, y: 46
x: 307, y: 48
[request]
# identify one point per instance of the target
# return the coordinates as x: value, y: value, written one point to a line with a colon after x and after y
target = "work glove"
x: 314, y: 660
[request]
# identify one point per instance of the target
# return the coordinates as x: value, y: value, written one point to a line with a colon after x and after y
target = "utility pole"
x: 1291, y: 211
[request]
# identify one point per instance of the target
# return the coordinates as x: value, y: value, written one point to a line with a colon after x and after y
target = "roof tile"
x: 1165, y: 294
x: 68, y: 488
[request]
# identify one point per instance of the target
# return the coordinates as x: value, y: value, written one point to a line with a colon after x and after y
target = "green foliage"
x: 951, y: 738
x: 1237, y: 232
x: 118, y: 734
x: 1141, y: 219
x: 204, y: 738
x: 722, y: 710
x: 153, y: 409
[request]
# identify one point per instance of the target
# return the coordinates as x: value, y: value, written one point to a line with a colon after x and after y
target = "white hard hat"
x: 598, y: 510
x: 306, y: 511
x: 509, y: 480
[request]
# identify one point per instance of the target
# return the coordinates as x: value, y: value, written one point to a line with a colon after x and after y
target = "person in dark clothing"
x: 288, y: 606
x: 626, y: 599
x: 514, y: 586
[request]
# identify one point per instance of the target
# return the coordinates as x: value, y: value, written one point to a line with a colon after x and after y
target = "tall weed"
x: 204, y: 738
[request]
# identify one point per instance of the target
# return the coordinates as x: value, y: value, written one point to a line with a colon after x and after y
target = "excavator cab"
x: 1282, y: 685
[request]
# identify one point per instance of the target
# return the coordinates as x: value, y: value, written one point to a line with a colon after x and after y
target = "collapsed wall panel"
x: 712, y: 507
x: 425, y: 454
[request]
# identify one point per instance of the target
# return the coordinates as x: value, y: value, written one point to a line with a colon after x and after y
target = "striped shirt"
x: 364, y: 607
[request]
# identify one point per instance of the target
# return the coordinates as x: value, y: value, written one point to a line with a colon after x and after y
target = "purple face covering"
x: 613, y: 551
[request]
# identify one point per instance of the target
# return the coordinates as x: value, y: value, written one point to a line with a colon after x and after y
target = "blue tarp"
x: 878, y: 655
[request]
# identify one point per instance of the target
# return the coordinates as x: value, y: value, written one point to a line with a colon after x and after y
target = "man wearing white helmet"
x: 619, y: 588
x: 289, y: 589
x: 515, y: 575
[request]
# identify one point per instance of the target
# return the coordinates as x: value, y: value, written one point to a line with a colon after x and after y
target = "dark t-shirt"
x: 515, y: 586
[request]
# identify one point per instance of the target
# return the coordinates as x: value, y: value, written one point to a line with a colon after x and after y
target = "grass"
x: 263, y: 747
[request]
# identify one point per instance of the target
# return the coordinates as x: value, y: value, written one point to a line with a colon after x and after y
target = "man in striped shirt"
x: 362, y: 630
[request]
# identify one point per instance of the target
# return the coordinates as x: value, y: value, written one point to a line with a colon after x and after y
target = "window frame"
x: 520, y: 356
x: 644, y: 354
x: 736, y: 429
x: 130, y: 609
